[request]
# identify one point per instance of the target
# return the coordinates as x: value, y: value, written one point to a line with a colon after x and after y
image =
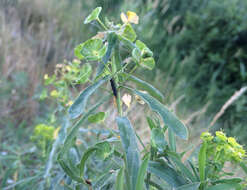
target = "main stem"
x: 115, y: 79
x: 119, y: 106
x: 148, y: 181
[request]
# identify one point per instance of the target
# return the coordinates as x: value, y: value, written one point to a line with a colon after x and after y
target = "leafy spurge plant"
x: 115, y: 160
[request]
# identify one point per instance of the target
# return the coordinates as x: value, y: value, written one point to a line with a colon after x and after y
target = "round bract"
x: 93, y: 16
x: 91, y: 50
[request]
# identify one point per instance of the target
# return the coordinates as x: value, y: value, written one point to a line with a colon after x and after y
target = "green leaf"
x: 169, y: 118
x: 244, y: 167
x: 192, y: 186
x: 97, y: 118
x: 69, y: 172
x: 145, y: 51
x: 142, y: 173
x: 77, y: 51
x: 129, y: 33
x: 151, y: 124
x: 43, y: 94
x: 130, y: 146
x: 136, y: 54
x: 93, y: 16
x: 232, y: 180
x: 158, y: 139
x: 104, y: 150
x: 165, y: 172
x: 72, y: 134
x: 224, y: 186
x: 184, y: 170
x: 72, y: 160
x: 126, y: 42
x: 146, y: 86
x: 103, y: 181
x: 112, y: 40
x: 26, y: 180
x: 91, y: 50
x: 194, y: 170
x: 85, y: 72
x: 148, y: 63
x: 202, y: 161
x: 78, y: 107
x: 172, y: 140
x: 120, y: 180
x: 84, y: 158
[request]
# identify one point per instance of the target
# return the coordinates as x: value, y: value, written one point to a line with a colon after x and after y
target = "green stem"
x: 148, y: 181
x: 102, y: 24
x: 115, y: 78
x: 133, y: 69
x: 140, y: 140
x: 119, y: 105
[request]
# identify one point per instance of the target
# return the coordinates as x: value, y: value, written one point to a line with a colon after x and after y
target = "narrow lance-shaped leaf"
x: 172, y: 140
x: 80, y: 103
x: 84, y: 158
x: 169, y: 118
x: 244, y: 167
x: 142, y: 173
x: 61, y: 137
x: 70, y: 172
x: 225, y: 186
x: 112, y: 40
x: 165, y: 172
x: 158, y: 139
x: 185, y: 171
x: 103, y: 181
x: 202, y: 161
x: 192, y: 186
x: 146, y: 86
x: 120, y: 180
x: 231, y: 180
x: 69, y: 138
x: 151, y: 124
x: 130, y: 146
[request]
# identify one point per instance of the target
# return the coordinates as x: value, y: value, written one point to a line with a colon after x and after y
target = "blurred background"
x: 200, y: 49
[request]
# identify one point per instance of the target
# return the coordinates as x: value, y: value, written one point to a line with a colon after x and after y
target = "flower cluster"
x: 66, y: 75
x: 222, y: 148
x: 44, y: 132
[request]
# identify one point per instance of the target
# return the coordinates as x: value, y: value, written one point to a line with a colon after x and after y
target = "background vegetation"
x: 200, y: 51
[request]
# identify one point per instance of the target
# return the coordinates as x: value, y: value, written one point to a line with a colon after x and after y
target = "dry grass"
x: 34, y: 36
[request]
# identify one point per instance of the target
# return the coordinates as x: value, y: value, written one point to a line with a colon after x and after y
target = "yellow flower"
x: 46, y: 76
x: 206, y: 136
x: 221, y: 136
x: 76, y: 61
x: 68, y: 68
x: 131, y: 17
x: 232, y: 141
x: 55, y: 133
x: 54, y: 94
x: 126, y: 99
x: 69, y: 103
